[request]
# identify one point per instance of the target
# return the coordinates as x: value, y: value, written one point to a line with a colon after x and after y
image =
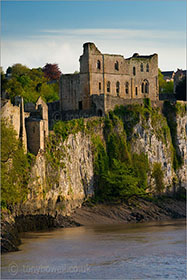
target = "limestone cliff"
x: 145, y: 140
x: 62, y: 177
x: 59, y: 189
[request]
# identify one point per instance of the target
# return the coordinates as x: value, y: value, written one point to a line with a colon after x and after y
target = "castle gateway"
x: 106, y: 80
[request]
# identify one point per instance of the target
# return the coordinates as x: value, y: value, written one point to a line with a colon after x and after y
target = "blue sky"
x: 36, y: 32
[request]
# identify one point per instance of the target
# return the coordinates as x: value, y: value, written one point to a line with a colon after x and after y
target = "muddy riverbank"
x: 135, y: 211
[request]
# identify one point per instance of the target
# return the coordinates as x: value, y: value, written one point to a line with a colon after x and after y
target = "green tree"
x: 121, y: 181
x: 14, y: 167
x: 140, y: 165
x: 169, y: 87
x: 164, y: 87
x: 18, y: 69
x: 161, y: 81
x: 30, y: 84
x: 49, y: 92
x: 158, y: 176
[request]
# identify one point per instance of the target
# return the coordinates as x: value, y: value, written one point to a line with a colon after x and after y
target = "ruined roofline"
x: 137, y: 56
x: 91, y: 46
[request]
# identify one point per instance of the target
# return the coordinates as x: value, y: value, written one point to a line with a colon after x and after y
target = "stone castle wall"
x: 12, y: 114
x: 30, y: 123
x: 132, y: 78
x: 33, y: 134
x: 16, y: 116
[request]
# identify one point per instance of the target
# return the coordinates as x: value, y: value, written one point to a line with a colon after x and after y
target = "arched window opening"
x: 116, y: 65
x: 143, y: 88
x: 127, y: 87
x: 136, y: 91
x: 99, y: 64
x: 99, y: 86
x: 147, y: 67
x: 134, y: 71
x: 141, y: 67
x: 108, y: 86
x: 117, y: 88
x: 146, y: 87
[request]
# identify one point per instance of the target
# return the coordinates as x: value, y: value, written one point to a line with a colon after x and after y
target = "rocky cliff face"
x: 60, y: 189
x: 145, y: 140
x: 63, y: 179
x: 181, y: 122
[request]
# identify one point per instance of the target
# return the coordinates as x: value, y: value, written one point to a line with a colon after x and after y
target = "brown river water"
x: 133, y: 251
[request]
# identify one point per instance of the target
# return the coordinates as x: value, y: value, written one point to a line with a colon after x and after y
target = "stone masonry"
x: 16, y: 116
x: 30, y: 122
x: 108, y: 75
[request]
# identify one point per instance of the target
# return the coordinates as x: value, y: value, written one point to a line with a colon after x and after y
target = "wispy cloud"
x: 64, y: 46
x: 119, y: 33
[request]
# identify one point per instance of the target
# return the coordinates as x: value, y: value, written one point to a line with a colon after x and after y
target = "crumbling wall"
x: 12, y: 114
x: 70, y: 95
x: 151, y: 76
x: 16, y: 116
x: 97, y: 70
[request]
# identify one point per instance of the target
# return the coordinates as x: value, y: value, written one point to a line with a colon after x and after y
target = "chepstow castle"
x: 104, y: 81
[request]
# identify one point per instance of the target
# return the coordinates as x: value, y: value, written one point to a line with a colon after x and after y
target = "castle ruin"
x: 106, y: 80
x: 29, y: 121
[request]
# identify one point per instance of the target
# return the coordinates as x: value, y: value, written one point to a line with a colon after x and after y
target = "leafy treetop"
x: 51, y: 71
x: 28, y: 83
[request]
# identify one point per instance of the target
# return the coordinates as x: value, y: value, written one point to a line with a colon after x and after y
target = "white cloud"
x: 119, y: 33
x: 65, y: 46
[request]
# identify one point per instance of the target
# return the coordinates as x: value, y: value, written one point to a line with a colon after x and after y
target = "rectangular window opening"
x: 136, y: 91
x: 80, y: 105
x: 99, y: 86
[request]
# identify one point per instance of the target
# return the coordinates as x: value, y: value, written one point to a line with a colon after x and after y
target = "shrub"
x: 15, y: 167
x: 158, y: 176
x: 68, y: 127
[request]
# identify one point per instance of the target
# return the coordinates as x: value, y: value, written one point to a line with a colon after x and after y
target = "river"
x: 133, y: 251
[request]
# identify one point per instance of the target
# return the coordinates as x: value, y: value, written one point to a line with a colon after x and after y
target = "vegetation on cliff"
x: 171, y: 112
x: 121, y: 173
x: 15, y: 167
x: 118, y: 172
